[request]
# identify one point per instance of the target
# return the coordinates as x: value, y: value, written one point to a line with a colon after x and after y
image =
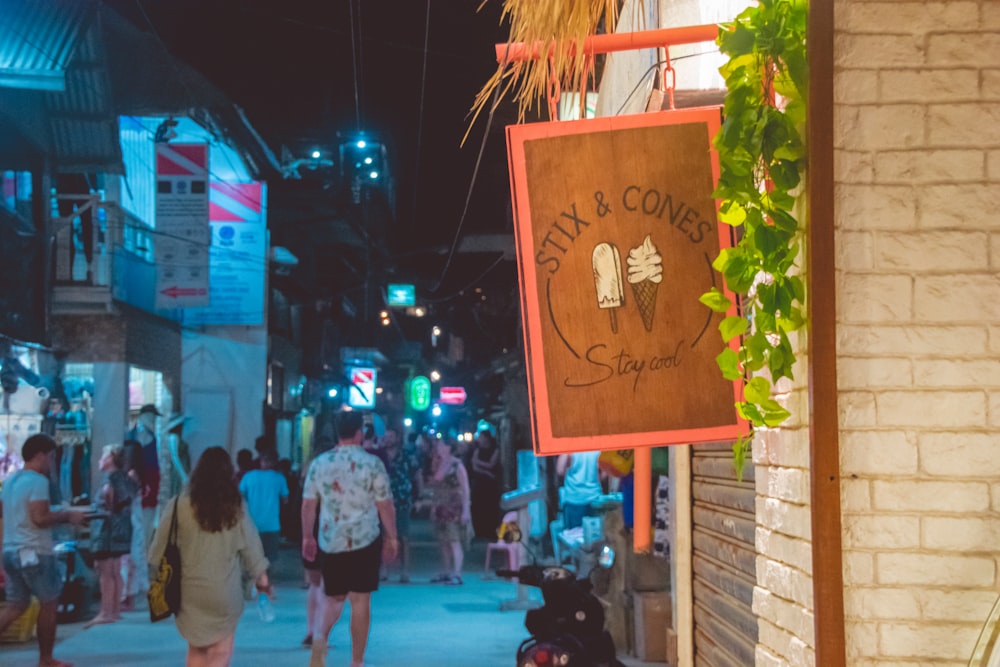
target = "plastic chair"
x: 512, y: 549
x: 555, y: 527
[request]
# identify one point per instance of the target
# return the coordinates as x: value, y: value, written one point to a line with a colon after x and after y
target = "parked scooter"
x: 568, y: 629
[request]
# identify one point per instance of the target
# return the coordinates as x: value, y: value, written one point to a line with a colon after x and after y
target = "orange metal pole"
x: 642, y: 499
x: 619, y: 41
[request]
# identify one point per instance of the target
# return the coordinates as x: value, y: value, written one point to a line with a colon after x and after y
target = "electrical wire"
x: 468, y: 195
x: 354, y: 60
x: 420, y: 114
x: 482, y: 147
x: 468, y: 285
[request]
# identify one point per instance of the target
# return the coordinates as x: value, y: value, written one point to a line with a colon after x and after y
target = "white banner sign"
x: 182, y: 232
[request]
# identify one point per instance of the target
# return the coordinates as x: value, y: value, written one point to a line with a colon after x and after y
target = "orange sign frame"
x: 585, y: 181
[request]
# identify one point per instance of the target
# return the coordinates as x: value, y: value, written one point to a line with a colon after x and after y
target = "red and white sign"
x: 361, y: 394
x: 238, y: 256
x: 453, y: 395
x: 182, y: 235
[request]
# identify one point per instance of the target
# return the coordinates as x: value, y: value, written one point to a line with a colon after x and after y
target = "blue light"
x: 361, y: 143
x: 332, y: 393
x: 373, y: 175
x: 407, y: 422
x: 368, y: 160
x: 315, y: 155
x: 436, y: 411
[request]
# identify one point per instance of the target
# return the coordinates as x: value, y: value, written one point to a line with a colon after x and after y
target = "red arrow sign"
x: 453, y: 395
x: 174, y: 292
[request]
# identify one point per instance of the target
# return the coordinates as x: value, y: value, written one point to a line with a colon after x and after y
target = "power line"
x: 354, y: 60
x: 468, y: 195
x: 420, y: 116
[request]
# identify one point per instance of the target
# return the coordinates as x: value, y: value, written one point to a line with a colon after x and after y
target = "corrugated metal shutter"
x: 725, y: 628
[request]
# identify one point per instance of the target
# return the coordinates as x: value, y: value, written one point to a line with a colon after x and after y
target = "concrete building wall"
x: 917, y: 169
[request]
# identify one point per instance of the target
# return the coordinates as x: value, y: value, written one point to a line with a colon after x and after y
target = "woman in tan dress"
x: 217, y: 540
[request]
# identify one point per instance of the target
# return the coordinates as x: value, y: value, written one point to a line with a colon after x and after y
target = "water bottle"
x: 264, y: 608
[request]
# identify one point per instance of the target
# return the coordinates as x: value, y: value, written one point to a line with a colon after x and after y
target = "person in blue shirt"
x: 265, y: 489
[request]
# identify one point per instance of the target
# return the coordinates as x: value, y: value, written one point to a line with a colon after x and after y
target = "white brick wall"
x: 917, y: 170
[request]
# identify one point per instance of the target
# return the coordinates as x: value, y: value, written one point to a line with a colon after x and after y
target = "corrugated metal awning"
x: 38, y: 41
x: 55, y: 94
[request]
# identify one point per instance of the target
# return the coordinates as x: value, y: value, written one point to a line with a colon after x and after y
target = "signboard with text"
x: 616, y: 232
x: 238, y: 254
x: 401, y: 294
x: 180, y: 249
x: 452, y: 395
x: 361, y: 393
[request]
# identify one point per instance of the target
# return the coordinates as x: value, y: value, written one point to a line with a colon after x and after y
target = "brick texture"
x: 917, y: 190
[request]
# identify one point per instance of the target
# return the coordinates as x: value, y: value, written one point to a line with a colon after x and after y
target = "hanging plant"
x: 762, y: 171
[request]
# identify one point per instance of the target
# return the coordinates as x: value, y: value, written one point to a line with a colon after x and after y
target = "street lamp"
x: 435, y: 376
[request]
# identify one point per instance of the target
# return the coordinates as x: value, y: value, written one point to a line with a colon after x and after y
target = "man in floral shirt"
x: 350, y: 489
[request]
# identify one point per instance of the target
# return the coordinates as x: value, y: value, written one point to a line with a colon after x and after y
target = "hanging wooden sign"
x: 616, y: 232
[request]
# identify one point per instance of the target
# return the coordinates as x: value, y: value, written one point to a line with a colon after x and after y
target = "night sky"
x: 291, y: 65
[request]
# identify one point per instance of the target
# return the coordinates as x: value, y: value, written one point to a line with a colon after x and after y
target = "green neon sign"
x: 419, y: 393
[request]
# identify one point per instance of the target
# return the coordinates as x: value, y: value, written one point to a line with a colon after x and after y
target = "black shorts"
x: 352, y: 571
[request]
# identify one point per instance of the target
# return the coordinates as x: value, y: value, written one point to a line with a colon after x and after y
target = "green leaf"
x: 751, y: 413
x: 757, y: 390
x: 741, y: 452
x: 754, y: 347
x: 733, y: 326
x: 776, y: 362
x: 728, y: 363
x: 785, y: 174
x: 784, y: 221
x: 790, y: 152
x: 781, y: 200
x: 726, y: 256
x: 737, y: 42
x: 732, y: 213
x: 773, y: 413
x: 716, y: 300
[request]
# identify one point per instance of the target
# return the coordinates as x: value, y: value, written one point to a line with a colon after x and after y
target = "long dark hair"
x: 215, y: 497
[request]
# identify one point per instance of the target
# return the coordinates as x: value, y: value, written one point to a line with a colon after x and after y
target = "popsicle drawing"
x: 607, y: 266
x: 645, y: 272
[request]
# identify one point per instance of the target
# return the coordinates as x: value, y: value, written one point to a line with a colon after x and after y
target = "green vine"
x: 762, y: 164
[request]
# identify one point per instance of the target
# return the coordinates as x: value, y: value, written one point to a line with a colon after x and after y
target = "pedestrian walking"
x: 29, y: 560
x: 217, y: 541
x: 401, y: 480
x: 448, y: 487
x: 111, y: 532
x: 485, y: 483
x: 349, y: 488
x: 144, y: 432
x: 265, y: 490
x: 135, y: 567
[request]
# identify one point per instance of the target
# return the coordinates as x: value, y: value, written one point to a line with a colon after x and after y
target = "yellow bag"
x: 616, y: 463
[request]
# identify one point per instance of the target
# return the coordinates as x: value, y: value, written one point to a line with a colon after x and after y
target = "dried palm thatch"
x: 557, y: 26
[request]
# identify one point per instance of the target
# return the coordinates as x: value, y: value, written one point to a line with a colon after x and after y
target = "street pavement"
x: 413, y: 625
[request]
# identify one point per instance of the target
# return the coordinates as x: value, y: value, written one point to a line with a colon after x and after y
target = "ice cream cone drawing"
x: 607, y: 265
x: 645, y: 272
